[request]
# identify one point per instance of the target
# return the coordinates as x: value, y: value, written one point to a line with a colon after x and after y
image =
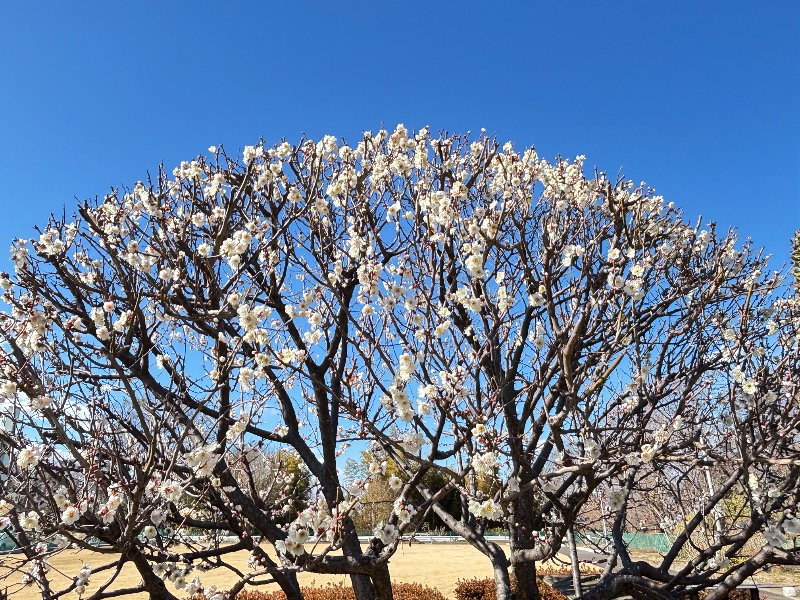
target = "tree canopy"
x: 524, y: 334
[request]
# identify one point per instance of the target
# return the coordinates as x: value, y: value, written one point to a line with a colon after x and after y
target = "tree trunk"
x: 153, y: 584
x: 525, y: 584
x: 362, y: 587
x: 382, y: 583
x: 366, y: 587
x: 502, y: 582
x: 576, y: 566
x: 289, y: 585
x: 522, y: 538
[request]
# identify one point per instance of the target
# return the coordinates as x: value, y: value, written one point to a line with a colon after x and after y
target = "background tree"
x: 280, y: 479
x: 384, y: 478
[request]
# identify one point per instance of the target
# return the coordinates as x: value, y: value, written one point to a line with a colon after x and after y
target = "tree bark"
x: 522, y: 538
x: 382, y: 583
x: 153, y: 584
x: 289, y: 585
x: 576, y: 566
x: 362, y: 587
x: 502, y: 581
x: 366, y: 587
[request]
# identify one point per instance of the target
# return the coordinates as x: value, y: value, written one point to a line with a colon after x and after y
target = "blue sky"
x: 699, y: 99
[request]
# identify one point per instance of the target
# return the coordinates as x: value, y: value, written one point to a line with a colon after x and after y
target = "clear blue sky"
x: 699, y: 99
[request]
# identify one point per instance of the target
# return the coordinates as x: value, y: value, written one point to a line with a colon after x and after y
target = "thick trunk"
x: 502, y: 582
x: 366, y: 587
x: 525, y: 585
x: 522, y: 537
x: 362, y: 587
x: 382, y: 583
x: 289, y: 585
x: 153, y: 584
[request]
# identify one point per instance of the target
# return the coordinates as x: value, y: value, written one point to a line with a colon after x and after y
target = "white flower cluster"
x: 203, y: 460
x: 791, y: 526
x: 718, y: 561
x: 402, y: 404
x: 570, y: 253
x: 70, y: 514
x: 485, y: 463
x: 5, y: 282
x: 41, y: 402
x: 387, y: 533
x: 50, y: 243
x: 108, y: 511
x: 749, y: 386
x: 169, y: 490
x: 616, y: 500
x: 29, y: 457
x: 395, y: 483
x: 368, y: 277
x: 233, y: 247
x: 176, y: 575
x: 82, y: 579
x: 440, y: 213
x: 452, y: 384
x: 294, y: 544
x: 488, y: 509
x: 19, y: 256
x: 591, y: 449
x: 237, y: 429
x: 648, y: 452
x: 377, y: 468
x: 404, y: 511
x: 412, y: 442
x: 191, y: 170
x: 8, y: 390
x: 759, y: 491
x: 30, y: 521
x: 148, y: 202
x: 407, y: 366
x: 34, y: 324
x: 312, y: 524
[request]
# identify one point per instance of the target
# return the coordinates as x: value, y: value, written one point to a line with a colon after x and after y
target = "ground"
x: 435, y: 565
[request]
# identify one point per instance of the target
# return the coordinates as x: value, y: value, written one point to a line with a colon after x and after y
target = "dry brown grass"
x: 434, y: 565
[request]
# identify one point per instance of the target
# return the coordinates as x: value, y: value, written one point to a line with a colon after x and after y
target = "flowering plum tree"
x: 720, y: 476
x: 531, y: 334
x: 159, y: 347
x: 564, y: 332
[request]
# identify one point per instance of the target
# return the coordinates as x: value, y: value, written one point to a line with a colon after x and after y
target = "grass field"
x: 435, y: 565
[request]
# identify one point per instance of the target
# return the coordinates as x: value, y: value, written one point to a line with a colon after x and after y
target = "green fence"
x: 658, y: 542
x: 6, y: 543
